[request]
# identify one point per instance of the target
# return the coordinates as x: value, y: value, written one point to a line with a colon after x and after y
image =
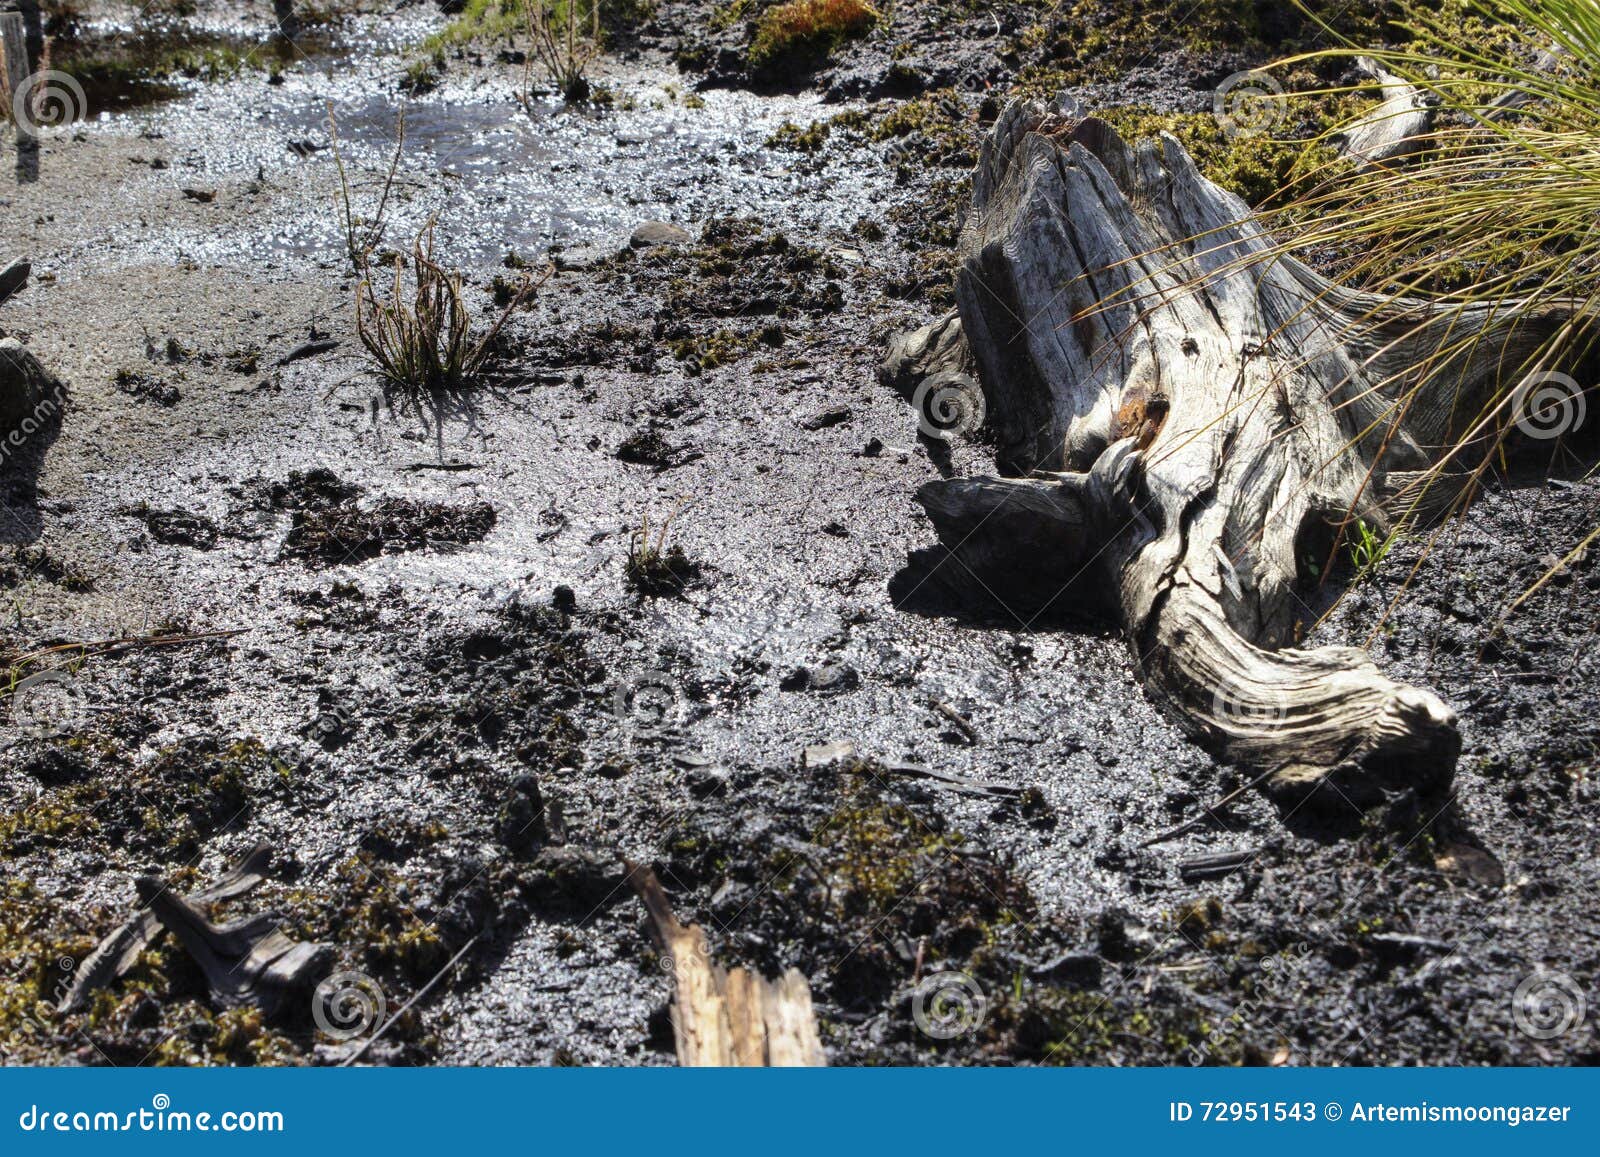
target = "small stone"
x: 834, y: 751
x: 659, y: 233
x: 579, y: 258
x: 13, y: 279
x: 834, y: 678
x: 707, y: 783
x: 1082, y: 969
x: 30, y: 399
x: 832, y: 416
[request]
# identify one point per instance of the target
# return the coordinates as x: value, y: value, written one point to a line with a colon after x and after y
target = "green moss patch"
x: 798, y: 37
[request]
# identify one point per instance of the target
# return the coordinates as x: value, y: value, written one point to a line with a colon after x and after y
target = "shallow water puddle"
x: 500, y: 177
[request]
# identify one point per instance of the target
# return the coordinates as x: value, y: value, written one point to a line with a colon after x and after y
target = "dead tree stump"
x: 1182, y: 414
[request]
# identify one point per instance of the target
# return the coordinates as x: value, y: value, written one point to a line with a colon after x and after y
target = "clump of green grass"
x: 565, y: 38
x: 797, y: 37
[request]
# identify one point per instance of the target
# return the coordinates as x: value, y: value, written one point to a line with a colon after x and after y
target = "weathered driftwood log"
x: 1184, y: 416
x: 723, y: 1018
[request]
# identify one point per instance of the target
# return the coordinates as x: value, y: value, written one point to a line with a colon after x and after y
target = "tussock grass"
x: 419, y: 333
x: 1501, y: 211
x: 1497, y: 215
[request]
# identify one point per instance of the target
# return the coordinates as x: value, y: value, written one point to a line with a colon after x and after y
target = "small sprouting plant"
x: 653, y: 567
x: 1367, y: 548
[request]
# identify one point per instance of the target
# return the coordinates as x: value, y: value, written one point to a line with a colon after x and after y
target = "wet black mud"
x: 487, y: 650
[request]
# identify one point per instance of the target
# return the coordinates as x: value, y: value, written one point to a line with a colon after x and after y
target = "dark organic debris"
x: 146, y: 387
x: 832, y: 416
x: 961, y: 783
x: 120, y: 950
x: 1216, y: 866
x: 331, y: 527
x: 308, y: 349
x: 176, y: 527
x: 648, y: 447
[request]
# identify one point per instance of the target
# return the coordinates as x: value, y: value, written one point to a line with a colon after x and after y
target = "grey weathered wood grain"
x: 1183, y: 413
x: 1395, y: 128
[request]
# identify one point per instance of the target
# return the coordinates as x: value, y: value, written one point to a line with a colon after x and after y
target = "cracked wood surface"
x: 1182, y: 415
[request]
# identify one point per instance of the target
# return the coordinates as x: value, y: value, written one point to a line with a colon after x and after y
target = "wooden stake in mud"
x: 722, y: 1018
x: 13, y: 37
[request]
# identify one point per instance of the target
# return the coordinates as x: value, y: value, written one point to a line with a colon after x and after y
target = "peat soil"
x: 482, y: 650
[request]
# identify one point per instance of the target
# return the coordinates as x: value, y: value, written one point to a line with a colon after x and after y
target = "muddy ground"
x: 454, y: 697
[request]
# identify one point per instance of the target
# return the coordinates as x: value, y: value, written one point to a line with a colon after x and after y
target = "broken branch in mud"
x: 116, y: 646
x: 1187, y: 416
x: 246, y: 962
x: 120, y: 950
x: 723, y: 1017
